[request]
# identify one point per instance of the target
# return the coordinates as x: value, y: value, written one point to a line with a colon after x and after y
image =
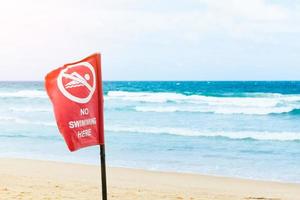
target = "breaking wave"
x: 219, y: 110
x: 24, y: 94
x: 4, y: 119
x: 250, y: 103
x: 169, y: 102
x: 30, y: 109
x: 277, y: 136
x: 294, y: 112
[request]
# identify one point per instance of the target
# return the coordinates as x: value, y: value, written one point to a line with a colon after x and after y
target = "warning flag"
x: 75, y: 91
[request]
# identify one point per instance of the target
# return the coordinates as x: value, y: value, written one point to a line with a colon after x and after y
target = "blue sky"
x: 153, y: 40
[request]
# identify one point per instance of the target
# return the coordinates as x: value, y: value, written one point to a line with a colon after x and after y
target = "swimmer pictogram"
x: 81, y: 75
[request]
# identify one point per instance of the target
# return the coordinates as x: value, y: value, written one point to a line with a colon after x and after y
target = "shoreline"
x: 151, y: 170
x: 35, y: 179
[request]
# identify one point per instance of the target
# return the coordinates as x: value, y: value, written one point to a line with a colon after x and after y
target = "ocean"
x: 236, y: 129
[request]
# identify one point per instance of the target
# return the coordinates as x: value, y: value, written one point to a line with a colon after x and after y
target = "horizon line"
x: 283, y: 80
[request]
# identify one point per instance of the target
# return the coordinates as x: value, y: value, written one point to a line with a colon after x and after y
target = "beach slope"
x: 31, y: 179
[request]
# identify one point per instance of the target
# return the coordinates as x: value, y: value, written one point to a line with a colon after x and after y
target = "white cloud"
x: 247, y: 9
x: 48, y: 33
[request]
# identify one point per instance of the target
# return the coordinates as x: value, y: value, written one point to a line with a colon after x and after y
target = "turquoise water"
x: 240, y: 129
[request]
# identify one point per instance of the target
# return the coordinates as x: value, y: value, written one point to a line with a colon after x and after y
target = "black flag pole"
x: 101, y: 129
x: 103, y: 172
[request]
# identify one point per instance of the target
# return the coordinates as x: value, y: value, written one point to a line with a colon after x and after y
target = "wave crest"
x: 255, y: 135
x: 5, y: 119
x: 250, y: 104
x: 24, y: 94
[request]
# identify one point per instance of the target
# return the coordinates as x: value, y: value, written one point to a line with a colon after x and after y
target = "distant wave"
x: 260, y: 94
x: 294, y: 112
x: 277, y: 136
x: 24, y: 94
x: 4, y: 119
x: 269, y: 99
x: 29, y: 109
x: 256, y: 135
x: 49, y: 137
x: 157, y: 97
x: 282, y: 136
x: 251, y: 103
x: 168, y: 102
x: 219, y: 110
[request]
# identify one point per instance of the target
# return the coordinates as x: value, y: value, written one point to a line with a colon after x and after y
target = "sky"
x: 153, y: 40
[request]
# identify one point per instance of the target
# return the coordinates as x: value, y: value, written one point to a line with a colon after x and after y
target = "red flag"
x: 76, y: 94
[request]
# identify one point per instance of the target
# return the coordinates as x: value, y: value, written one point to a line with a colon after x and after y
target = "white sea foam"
x: 30, y: 109
x: 269, y: 99
x: 280, y: 136
x: 216, y: 110
x: 25, y: 94
x: 158, y: 97
x: 17, y: 120
x: 257, y: 104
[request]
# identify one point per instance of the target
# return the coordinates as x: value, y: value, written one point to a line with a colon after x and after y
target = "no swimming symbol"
x: 81, y: 75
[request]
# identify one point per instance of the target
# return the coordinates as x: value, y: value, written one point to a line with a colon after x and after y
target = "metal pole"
x: 103, y: 172
x: 101, y: 129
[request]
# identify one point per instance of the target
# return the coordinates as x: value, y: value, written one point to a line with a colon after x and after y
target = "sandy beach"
x: 31, y: 179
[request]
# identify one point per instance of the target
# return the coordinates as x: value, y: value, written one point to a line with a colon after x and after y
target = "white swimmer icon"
x: 76, y: 80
